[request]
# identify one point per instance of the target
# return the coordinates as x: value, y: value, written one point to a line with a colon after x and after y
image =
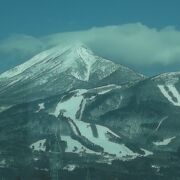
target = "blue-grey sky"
x: 42, y: 18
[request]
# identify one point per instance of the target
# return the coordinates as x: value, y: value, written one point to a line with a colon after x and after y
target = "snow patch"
x: 102, y: 139
x: 88, y: 58
x: 39, y: 145
x: 71, y: 106
x: 147, y: 153
x: 164, y: 142
x: 82, y: 108
x: 165, y: 90
x: 41, y: 107
x: 70, y: 167
x: 105, y: 91
x: 2, y: 163
x: 156, y: 167
x: 74, y: 146
x: 3, y: 108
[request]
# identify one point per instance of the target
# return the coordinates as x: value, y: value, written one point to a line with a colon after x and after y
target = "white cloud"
x: 23, y: 44
x: 135, y: 43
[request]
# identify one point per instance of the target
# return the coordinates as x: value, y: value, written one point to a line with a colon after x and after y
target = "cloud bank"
x: 134, y: 44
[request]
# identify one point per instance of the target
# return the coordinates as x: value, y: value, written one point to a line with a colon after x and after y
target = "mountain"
x: 147, y: 112
x: 68, y: 113
x: 59, y: 70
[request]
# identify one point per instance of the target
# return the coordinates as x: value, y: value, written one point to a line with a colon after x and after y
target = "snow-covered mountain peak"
x: 60, y: 69
x: 69, y: 57
x: 39, y: 58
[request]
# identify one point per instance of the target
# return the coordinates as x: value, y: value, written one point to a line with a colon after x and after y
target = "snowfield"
x: 70, y: 107
x: 41, y: 107
x: 166, y: 90
x: 39, y: 145
x: 164, y: 142
x: 75, y: 146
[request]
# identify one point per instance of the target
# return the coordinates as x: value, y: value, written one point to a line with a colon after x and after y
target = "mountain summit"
x: 59, y: 70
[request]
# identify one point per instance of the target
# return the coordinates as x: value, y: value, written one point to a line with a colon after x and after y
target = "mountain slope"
x: 100, y: 126
x: 67, y: 110
x: 147, y: 112
x: 58, y: 70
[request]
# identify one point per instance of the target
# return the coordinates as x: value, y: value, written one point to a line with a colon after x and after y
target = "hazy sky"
x: 144, y: 34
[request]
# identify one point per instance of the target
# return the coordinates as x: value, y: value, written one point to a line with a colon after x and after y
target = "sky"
x: 142, y: 34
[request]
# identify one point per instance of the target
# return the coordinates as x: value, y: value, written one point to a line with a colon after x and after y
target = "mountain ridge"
x: 60, y: 69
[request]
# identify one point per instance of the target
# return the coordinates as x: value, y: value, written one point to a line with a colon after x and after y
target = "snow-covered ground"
x: 164, y: 142
x: 71, y: 106
x: 75, y: 146
x: 89, y: 60
x: 105, y: 89
x: 102, y: 138
x: 165, y: 90
x: 70, y: 167
x: 2, y: 163
x: 41, y: 107
x: 39, y: 145
x: 3, y: 108
x: 76, y: 58
x: 36, y: 59
x: 156, y: 167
